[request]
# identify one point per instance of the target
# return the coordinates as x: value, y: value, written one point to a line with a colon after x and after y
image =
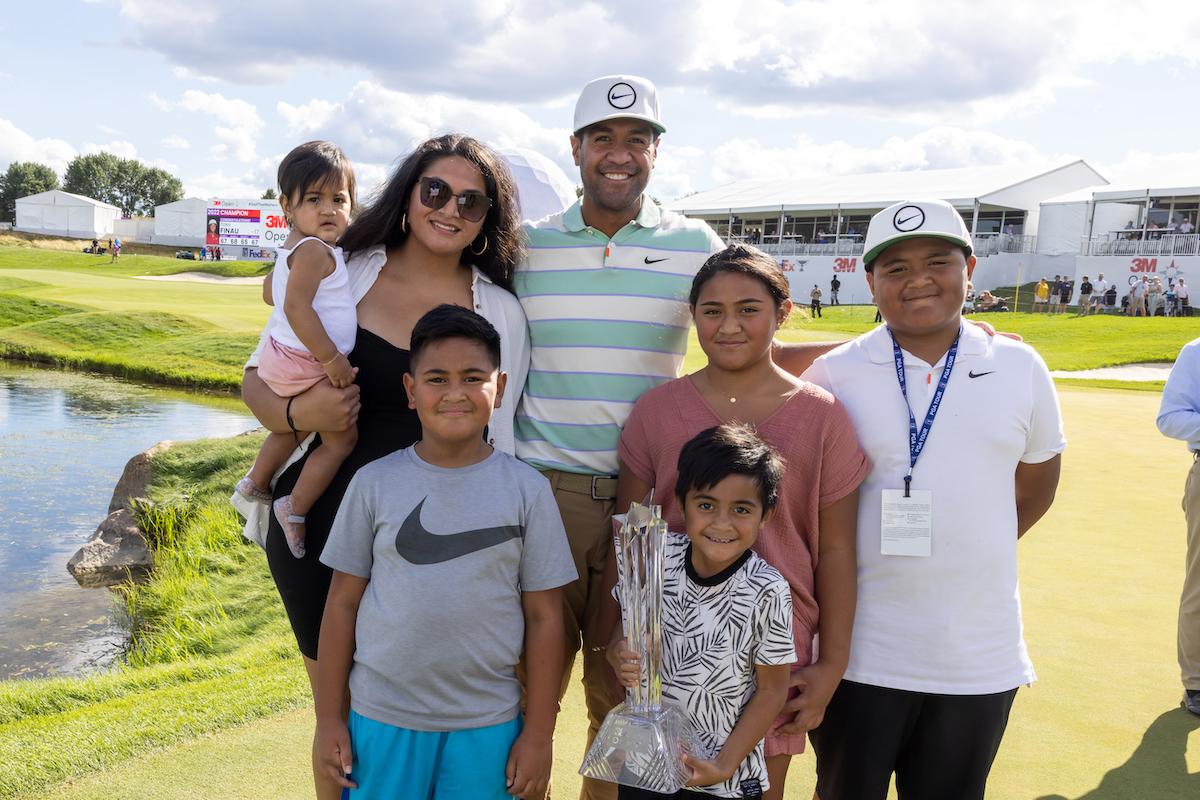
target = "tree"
x: 21, y: 179
x: 125, y: 182
x: 269, y: 194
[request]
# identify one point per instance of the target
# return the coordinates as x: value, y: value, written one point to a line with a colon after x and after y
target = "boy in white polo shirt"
x: 964, y: 435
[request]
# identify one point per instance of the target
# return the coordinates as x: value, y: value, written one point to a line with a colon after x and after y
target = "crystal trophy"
x: 642, y: 741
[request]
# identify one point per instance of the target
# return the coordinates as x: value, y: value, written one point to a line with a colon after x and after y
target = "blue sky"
x: 218, y: 91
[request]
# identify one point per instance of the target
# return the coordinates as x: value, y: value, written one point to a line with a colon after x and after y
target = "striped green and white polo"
x: 608, y: 320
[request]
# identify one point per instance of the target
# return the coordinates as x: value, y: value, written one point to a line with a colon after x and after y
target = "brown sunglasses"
x: 472, y: 206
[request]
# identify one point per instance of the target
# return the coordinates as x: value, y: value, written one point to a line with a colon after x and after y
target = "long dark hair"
x: 379, y: 222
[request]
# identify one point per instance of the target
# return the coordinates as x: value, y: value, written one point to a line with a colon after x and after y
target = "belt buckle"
x: 599, y: 478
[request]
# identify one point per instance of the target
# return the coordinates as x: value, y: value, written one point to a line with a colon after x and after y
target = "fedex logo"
x: 845, y: 265
x: 1143, y: 265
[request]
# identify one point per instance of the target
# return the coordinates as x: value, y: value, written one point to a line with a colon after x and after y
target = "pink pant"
x: 288, y: 371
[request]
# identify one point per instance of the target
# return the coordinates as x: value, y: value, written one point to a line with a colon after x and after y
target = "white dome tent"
x: 542, y: 186
x: 59, y: 213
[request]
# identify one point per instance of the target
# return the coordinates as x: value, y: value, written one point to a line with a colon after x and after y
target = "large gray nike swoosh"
x: 418, y: 546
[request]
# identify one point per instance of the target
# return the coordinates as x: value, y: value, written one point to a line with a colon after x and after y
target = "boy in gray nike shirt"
x: 448, y: 556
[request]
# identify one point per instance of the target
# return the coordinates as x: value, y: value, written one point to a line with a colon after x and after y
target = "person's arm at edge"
x: 1179, y: 411
x: 1036, y: 486
x: 268, y: 290
x: 837, y: 594
x: 769, y: 695
x: 335, y: 654
x: 532, y: 754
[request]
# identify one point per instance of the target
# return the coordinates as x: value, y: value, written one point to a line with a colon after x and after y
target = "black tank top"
x: 385, y: 424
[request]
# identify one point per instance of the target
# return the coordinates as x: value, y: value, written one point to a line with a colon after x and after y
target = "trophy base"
x: 643, y: 749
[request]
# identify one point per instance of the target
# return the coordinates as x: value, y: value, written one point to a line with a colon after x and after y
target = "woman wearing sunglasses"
x: 444, y: 229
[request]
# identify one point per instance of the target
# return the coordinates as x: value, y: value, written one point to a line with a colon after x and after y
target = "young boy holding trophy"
x: 726, y: 615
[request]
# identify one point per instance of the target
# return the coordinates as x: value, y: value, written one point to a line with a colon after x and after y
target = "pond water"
x: 64, y: 440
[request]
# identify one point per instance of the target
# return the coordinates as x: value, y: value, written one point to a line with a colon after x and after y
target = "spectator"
x: 1055, y: 293
x: 1101, y: 292
x: 1068, y: 288
x: 1041, y: 295
x: 1186, y: 226
x: 1085, y: 297
x: 815, y: 297
x: 834, y: 285
x: 1137, y: 297
x: 203, y: 253
x: 1154, y: 297
x: 116, y: 250
x: 1181, y: 291
x: 1110, y: 297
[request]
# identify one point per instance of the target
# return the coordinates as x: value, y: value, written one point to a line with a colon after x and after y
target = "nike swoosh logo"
x: 619, y: 96
x: 906, y: 219
x: 978, y: 374
x: 418, y: 546
x: 650, y: 260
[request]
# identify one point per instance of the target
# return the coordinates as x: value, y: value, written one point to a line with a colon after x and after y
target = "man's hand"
x: 528, y: 770
x: 625, y: 663
x: 990, y: 331
x: 816, y: 683
x: 332, y: 754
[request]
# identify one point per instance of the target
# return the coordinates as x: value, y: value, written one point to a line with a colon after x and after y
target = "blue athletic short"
x: 427, y: 765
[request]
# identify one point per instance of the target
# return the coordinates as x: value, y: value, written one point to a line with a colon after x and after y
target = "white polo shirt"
x: 949, y: 623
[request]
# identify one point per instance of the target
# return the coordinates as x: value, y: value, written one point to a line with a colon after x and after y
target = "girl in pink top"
x: 739, y: 300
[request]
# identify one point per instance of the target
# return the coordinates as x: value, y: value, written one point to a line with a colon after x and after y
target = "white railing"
x: 1131, y: 243
x: 989, y: 244
x: 840, y: 247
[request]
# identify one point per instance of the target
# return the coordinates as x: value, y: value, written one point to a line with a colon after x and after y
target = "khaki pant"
x: 1189, y: 602
x: 589, y: 531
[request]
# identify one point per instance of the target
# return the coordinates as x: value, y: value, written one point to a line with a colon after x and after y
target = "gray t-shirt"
x: 448, y: 553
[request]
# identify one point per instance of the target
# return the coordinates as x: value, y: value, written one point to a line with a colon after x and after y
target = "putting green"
x: 1100, y: 580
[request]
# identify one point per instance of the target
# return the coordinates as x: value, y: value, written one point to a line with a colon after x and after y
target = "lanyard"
x: 916, y: 439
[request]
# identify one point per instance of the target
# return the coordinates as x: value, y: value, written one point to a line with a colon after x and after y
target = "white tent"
x: 180, y: 223
x: 542, y: 187
x: 59, y: 213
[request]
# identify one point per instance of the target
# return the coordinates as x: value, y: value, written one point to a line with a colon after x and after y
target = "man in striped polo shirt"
x: 604, y: 285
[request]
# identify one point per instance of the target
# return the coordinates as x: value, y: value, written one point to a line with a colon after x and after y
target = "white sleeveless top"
x: 333, y: 302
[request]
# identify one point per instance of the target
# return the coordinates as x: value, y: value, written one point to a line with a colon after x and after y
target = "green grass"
x: 68, y: 310
x: 1100, y: 578
x: 1065, y: 341
x: 210, y: 645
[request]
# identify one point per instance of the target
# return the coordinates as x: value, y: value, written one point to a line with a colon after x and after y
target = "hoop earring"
x: 404, y: 222
x: 483, y: 249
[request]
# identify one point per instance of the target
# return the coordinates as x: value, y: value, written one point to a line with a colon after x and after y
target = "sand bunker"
x: 203, y: 277
x: 1125, y: 372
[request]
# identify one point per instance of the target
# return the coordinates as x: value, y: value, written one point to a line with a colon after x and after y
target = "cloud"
x: 118, y: 147
x: 1141, y: 170
x: 903, y: 58
x: 941, y: 147
x: 17, y: 145
x: 175, y: 142
x: 239, y: 123
x: 377, y: 125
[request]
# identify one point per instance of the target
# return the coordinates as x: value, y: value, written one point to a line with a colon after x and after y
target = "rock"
x: 135, y: 478
x: 116, y: 553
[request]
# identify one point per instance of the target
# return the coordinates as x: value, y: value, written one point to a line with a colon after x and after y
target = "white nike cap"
x: 911, y: 219
x: 618, y: 97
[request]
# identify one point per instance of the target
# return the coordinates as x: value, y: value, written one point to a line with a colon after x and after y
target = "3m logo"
x: 845, y: 265
x: 276, y: 221
x: 1143, y: 265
